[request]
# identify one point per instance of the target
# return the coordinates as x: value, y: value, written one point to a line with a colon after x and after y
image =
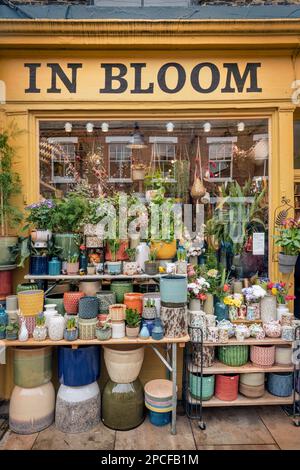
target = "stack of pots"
x: 78, y: 398
x: 151, y: 310
x: 173, y: 291
x: 123, y: 397
x: 11, y: 308
x: 158, y: 401
x: 88, y: 310
x: 117, y: 314
x: 32, y: 401
x: 252, y: 385
x: 31, y: 303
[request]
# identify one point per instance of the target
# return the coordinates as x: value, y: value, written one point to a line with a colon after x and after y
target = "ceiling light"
x: 104, y: 127
x: 241, y: 126
x: 207, y: 127
x: 136, y: 139
x: 68, y: 127
x: 89, y: 127
x: 170, y: 127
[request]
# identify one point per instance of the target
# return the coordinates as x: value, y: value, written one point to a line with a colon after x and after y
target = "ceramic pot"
x: 174, y: 321
x: 77, y: 408
x: 121, y: 254
x: 73, y: 268
x: 66, y: 242
x: 207, y: 389
x: 263, y: 356
x: 103, y: 334
x: 91, y: 270
x: 3, y: 317
x: 221, y: 311
x: 283, y: 355
x: 123, y: 405
x: 106, y: 298
x: 40, y: 237
x: 90, y: 288
x: 54, y: 267
x: 268, y: 307
x: 78, y: 367
x: 31, y: 409
x: 252, y: 391
x: 87, y: 328
x: 208, y: 356
x: 142, y: 255
x: 71, y: 335
x: 280, y: 384
x: 71, y: 301
x: 286, y: 319
x: 208, y: 306
x: 281, y: 309
x: 130, y: 268
x: 26, y: 286
x: 134, y: 300
x: 123, y: 363
x: 23, y: 331
x: 114, y: 267
x: 6, y: 255
x: 49, y: 312
x: 151, y: 268
x: 149, y: 313
x: 39, y: 333
x: 173, y: 289
x: 157, y: 332
x: 286, y: 263
x: 120, y: 288
x: 195, y: 305
x: 253, y: 379
x: 117, y: 312
x: 31, y: 302
x: 11, y: 302
x: 164, y: 250
x: 32, y: 366
x: 153, y: 296
x: 159, y: 419
x: 30, y: 322
x: 234, y: 356
x: 56, y: 327
x: 132, y: 332
x: 149, y: 325
x: 38, y: 265
x: 272, y: 329
x: 57, y: 300
x: 287, y: 333
x: 88, y: 307
x: 118, y: 329
x: 227, y: 387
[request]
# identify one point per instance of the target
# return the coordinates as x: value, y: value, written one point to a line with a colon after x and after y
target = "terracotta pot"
x: 132, y: 332
x: 164, y: 250
x: 123, y: 363
x: 134, y: 300
x: 71, y: 301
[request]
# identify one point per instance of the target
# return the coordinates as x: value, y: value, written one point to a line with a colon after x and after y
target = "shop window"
x: 220, y: 158
x: 164, y: 155
x: 63, y: 157
x: 119, y: 156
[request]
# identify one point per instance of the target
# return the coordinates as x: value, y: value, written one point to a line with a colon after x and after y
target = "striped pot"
x: 87, y: 328
x: 233, y: 355
x: 208, y: 386
x: 263, y: 356
x: 280, y: 384
x: 227, y: 387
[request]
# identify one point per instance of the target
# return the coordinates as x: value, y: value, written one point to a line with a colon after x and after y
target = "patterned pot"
x: 149, y: 313
x: 39, y: 333
x: 174, y: 320
x: 130, y: 268
x: 114, y: 267
x: 88, y: 307
x: 272, y: 329
x: 71, y: 335
x: 26, y: 286
x: 106, y: 298
x: 30, y: 323
x: 31, y: 409
x: 263, y: 356
x: 117, y: 312
x: 71, y: 301
x: 208, y: 356
x: 233, y: 355
x: 103, y: 334
x: 120, y: 288
x: 31, y: 302
x: 280, y: 384
x: 87, y: 328
x: 207, y: 389
x: 56, y: 327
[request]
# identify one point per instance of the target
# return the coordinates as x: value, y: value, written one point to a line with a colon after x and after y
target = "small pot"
x: 132, y: 332
x: 151, y: 268
x: 40, y: 333
x: 117, y: 312
x: 12, y: 335
x: 130, y: 268
x: 91, y: 270
x: 71, y: 335
x: 149, y: 313
x: 134, y: 300
x: 103, y: 334
x: 287, y: 263
x: 114, y: 267
x: 118, y: 329
x: 88, y: 307
x: 40, y: 238
x: 73, y: 268
x: 138, y: 174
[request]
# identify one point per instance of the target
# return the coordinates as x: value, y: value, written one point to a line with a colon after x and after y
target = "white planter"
x: 281, y: 309
x: 123, y: 363
x: 283, y: 355
x: 130, y: 268
x: 49, y: 312
x: 118, y: 329
x: 142, y: 255
x: 268, y: 308
x: 153, y: 296
x: 56, y: 327
x: 40, y: 238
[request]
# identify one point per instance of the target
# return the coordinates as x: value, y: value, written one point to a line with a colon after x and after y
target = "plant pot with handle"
x: 287, y: 263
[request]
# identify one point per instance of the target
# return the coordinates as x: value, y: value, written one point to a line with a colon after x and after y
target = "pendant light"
x: 136, y: 139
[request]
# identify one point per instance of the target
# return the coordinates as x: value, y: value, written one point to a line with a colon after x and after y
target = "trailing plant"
x: 10, y: 182
x: 133, y: 318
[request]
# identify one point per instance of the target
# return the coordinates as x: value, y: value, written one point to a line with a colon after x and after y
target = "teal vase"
x: 221, y: 310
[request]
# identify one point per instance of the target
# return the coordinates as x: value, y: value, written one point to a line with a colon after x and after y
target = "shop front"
x: 128, y: 111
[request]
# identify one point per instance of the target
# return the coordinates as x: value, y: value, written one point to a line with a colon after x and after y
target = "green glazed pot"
x: 32, y: 366
x: 123, y: 405
x: 234, y: 355
x: 120, y: 288
x: 58, y: 300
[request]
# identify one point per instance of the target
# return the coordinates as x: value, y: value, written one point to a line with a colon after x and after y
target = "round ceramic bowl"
x: 123, y: 363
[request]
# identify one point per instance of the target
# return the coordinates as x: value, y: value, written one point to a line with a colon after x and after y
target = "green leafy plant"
x: 12, y: 327
x: 114, y: 246
x: 70, y: 214
x: 104, y: 325
x: 131, y: 253
x: 2, y: 328
x: 40, y: 215
x: 153, y: 255
x: 73, y: 258
x: 71, y: 324
x: 10, y: 182
x: 150, y: 303
x: 288, y: 237
x: 133, y: 318
x: 40, y: 320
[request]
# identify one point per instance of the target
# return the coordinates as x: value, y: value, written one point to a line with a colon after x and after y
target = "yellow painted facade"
x: 273, y: 44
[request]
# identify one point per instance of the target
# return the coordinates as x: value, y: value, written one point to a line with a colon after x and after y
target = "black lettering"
x: 161, y: 77
x: 32, y: 78
x: 138, y: 79
x: 110, y: 78
x: 240, y: 80
x: 215, y: 77
x: 57, y: 71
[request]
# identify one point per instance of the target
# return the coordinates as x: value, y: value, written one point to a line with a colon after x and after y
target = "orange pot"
x: 134, y: 300
x: 121, y: 255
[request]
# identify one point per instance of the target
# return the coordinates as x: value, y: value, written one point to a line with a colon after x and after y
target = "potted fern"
x: 133, y: 321
x: 71, y: 330
x: 10, y: 185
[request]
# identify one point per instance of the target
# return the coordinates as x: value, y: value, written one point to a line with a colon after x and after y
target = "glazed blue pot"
x: 280, y: 384
x: 54, y: 267
x: 78, y: 367
x: 149, y: 324
x: 71, y: 335
x: 38, y: 265
x: 173, y: 289
x: 159, y: 419
x: 221, y: 310
x: 157, y: 332
x: 88, y: 307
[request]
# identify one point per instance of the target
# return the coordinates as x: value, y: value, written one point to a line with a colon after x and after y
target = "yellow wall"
x: 278, y: 70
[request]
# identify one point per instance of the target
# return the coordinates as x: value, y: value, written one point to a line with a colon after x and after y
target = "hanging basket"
x: 287, y: 263
x: 198, y: 189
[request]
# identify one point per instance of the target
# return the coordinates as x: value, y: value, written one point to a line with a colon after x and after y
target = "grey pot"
x: 287, y: 263
x: 151, y: 268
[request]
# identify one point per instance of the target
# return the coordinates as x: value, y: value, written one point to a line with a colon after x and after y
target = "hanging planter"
x: 287, y: 263
x: 198, y: 189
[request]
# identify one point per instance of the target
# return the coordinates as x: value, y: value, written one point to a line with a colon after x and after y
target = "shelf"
x: 249, y: 342
x: 94, y: 277
x: 220, y: 368
x: 79, y: 342
x: 266, y: 399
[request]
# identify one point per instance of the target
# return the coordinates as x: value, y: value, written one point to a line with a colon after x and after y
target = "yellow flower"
x: 274, y: 291
x: 162, y: 269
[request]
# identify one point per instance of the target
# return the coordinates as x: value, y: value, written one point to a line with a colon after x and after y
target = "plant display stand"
x: 194, y: 406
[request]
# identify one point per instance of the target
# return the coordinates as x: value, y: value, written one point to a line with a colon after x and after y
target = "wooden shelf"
x: 266, y: 399
x: 93, y: 277
x: 79, y: 342
x: 220, y: 368
x: 249, y: 342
